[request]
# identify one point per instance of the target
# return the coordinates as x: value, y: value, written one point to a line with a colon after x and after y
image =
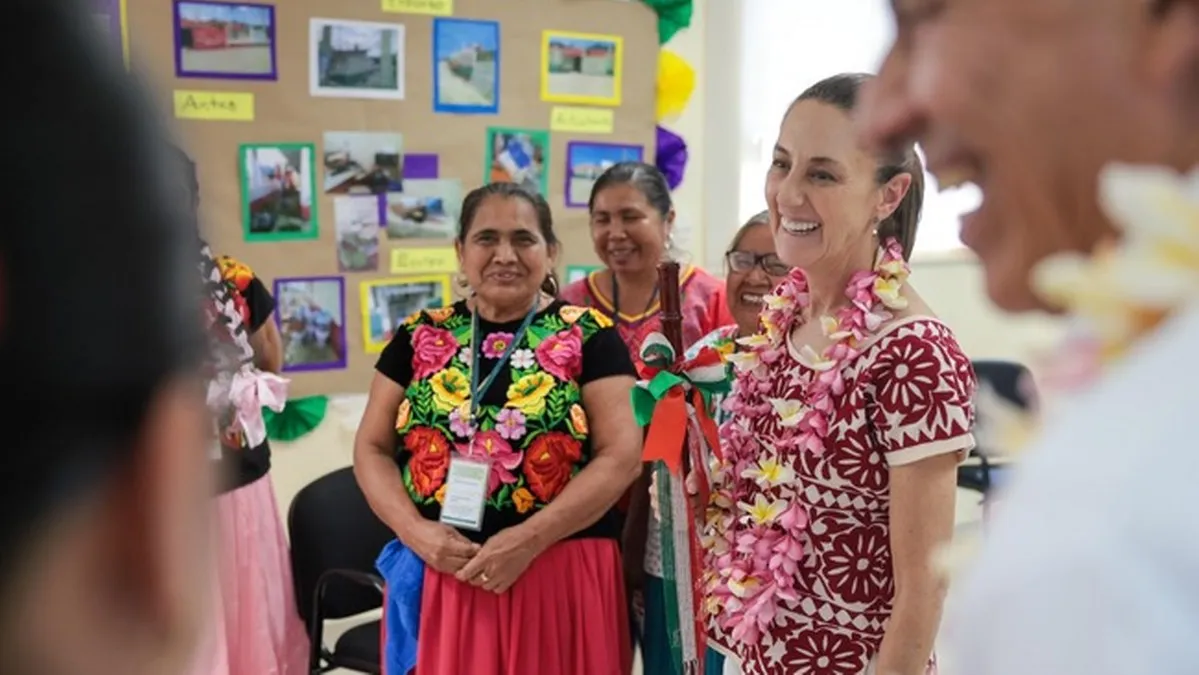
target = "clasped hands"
x: 494, y: 566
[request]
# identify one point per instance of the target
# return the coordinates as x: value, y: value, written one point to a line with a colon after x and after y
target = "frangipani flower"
x: 763, y: 510
x: 769, y: 472
x: 888, y: 291
x: 789, y: 411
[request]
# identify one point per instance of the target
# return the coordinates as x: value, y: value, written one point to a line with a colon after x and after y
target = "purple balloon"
x: 671, y: 157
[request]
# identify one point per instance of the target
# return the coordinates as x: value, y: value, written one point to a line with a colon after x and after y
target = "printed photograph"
x: 106, y: 16
x: 356, y: 221
x: 581, y: 68
x: 363, y: 162
x: 466, y: 66
x: 426, y: 209
x: 586, y: 161
x: 225, y: 40
x: 312, y: 321
x: 356, y: 59
x: 518, y: 156
x: 278, y: 183
x: 387, y: 302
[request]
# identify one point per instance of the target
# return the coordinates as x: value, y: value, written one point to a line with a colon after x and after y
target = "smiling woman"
x: 497, y: 437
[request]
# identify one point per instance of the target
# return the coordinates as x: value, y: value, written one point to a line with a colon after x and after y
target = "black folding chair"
x: 1005, y: 379
x: 335, y: 538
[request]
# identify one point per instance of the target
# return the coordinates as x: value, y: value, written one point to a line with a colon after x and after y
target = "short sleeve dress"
x: 908, y: 396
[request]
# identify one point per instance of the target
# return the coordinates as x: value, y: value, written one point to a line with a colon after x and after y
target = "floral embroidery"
x: 523, y: 359
x: 528, y: 393
x: 561, y: 355
x: 490, y: 445
x: 549, y: 463
x: 534, y: 433
x: 510, y: 423
x: 433, y: 348
x: 753, y: 551
x: 451, y: 389
x: 430, y: 459
x: 578, y: 420
x: 496, y: 344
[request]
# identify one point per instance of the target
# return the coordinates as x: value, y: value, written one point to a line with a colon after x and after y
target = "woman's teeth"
x: 751, y: 298
x: 799, y: 226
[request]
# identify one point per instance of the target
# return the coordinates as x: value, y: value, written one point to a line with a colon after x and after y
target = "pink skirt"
x: 565, y: 616
x: 254, y: 628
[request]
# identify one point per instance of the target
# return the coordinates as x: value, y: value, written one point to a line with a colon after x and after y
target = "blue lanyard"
x: 477, y: 389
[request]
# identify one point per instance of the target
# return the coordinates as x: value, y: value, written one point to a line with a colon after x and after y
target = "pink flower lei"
x: 754, y: 542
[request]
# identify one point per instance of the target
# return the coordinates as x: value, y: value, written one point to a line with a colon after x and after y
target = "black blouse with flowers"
x: 531, y: 423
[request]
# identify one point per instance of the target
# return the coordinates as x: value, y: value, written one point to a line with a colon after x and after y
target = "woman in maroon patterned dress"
x: 850, y: 411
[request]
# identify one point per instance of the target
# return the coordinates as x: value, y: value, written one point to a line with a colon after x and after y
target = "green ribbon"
x: 646, y: 397
x: 673, y: 16
x: 297, y: 419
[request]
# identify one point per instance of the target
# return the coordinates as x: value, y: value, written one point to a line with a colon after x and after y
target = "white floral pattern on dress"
x: 907, y: 396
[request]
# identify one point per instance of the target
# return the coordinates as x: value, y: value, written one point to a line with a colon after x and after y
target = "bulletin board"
x: 272, y: 111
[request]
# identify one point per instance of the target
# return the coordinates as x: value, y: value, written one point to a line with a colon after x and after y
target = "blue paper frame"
x: 343, y: 359
x: 465, y: 109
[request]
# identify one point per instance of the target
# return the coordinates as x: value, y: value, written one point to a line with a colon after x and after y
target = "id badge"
x: 465, y: 493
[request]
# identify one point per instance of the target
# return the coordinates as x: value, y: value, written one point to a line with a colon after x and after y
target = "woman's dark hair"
x: 72, y: 335
x: 842, y: 91
x: 545, y: 218
x: 648, y: 180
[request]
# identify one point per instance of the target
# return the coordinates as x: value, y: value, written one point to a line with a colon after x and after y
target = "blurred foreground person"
x: 1089, y: 565
x: 104, y: 456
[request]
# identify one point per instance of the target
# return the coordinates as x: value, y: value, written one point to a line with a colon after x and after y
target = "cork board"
x: 286, y: 113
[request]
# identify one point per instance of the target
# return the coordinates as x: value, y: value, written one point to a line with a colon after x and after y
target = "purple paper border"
x: 175, y: 30
x: 345, y: 351
x: 421, y: 165
x: 571, y: 145
x: 113, y: 9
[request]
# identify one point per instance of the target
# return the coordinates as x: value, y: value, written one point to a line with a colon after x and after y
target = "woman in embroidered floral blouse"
x: 536, y: 587
x: 849, y: 413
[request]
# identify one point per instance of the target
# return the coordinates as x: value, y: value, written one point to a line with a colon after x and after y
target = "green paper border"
x: 585, y: 269
x: 541, y: 136
x: 315, y: 231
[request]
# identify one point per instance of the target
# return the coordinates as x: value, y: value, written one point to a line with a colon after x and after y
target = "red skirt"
x: 565, y: 616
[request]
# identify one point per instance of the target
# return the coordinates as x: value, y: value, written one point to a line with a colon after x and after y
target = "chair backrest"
x: 1011, y: 381
x: 332, y: 527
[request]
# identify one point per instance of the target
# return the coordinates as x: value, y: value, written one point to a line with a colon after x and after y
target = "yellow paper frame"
x: 617, y: 69
x: 364, y: 298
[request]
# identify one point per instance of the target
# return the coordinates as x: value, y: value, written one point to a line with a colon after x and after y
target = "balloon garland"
x: 676, y: 83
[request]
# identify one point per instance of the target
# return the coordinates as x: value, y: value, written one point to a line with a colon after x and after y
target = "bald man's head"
x: 1028, y: 99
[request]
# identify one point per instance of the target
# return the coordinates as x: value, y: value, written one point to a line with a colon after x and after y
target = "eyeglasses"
x: 744, y: 261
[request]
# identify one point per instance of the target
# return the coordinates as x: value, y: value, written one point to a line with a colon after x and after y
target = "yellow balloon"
x: 676, y: 82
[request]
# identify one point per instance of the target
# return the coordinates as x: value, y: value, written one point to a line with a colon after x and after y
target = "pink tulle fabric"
x: 255, y: 628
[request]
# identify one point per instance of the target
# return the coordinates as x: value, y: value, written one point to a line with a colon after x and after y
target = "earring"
x: 874, y: 226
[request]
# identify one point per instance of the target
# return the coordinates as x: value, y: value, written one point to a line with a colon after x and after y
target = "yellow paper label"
x: 440, y: 260
x: 582, y: 120
x: 227, y: 106
x: 433, y: 7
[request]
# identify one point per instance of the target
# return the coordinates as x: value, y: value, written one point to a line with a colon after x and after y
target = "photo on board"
x: 311, y: 314
x: 582, y: 68
x: 426, y: 209
x: 585, y: 161
x: 518, y: 156
x: 356, y: 221
x: 466, y: 66
x: 278, y: 184
x: 363, y: 162
x: 108, y: 18
x: 387, y: 302
x: 356, y: 59
x: 225, y: 40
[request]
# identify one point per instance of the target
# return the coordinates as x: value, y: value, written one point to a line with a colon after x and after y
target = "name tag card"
x: 465, y: 493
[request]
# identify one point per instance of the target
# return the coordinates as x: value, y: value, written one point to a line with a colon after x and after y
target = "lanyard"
x: 479, y: 389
